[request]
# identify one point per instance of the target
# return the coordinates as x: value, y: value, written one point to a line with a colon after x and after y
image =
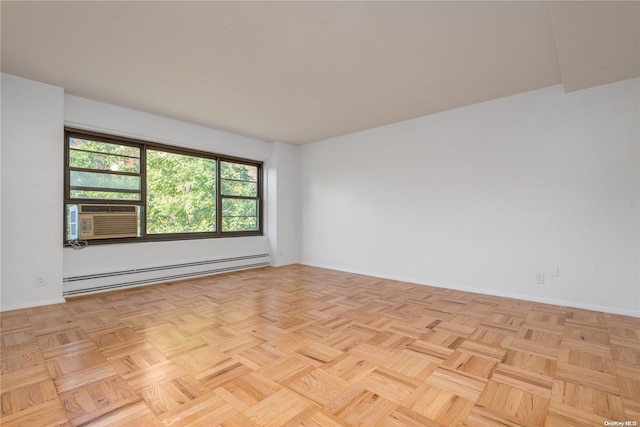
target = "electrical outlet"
x: 540, y: 278
x: 41, y: 281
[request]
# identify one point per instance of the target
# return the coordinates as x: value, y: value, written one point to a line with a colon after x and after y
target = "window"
x: 181, y: 193
x: 173, y: 193
x: 100, y: 170
x: 239, y: 188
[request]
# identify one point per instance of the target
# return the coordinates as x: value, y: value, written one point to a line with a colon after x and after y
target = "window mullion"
x: 143, y: 190
x: 218, y: 197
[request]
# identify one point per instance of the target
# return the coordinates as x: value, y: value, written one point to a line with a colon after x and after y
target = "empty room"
x: 359, y: 213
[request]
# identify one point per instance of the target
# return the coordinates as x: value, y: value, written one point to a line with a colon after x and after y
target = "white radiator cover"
x: 92, y: 283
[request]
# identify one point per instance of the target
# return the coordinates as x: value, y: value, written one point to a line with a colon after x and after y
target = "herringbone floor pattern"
x: 304, y: 346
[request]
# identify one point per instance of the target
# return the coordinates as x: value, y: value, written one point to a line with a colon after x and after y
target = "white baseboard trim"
x: 32, y: 304
x: 524, y: 297
x: 85, y: 284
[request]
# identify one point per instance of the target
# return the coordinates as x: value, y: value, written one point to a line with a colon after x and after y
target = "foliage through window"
x: 181, y: 193
x: 178, y: 193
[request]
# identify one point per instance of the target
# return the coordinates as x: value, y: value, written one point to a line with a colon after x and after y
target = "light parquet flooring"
x: 304, y: 346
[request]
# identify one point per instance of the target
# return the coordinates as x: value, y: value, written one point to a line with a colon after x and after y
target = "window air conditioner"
x: 107, y: 221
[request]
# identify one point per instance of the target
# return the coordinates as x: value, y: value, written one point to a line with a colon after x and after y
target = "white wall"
x: 284, y: 216
x: 32, y: 157
x: 287, y: 250
x: 92, y: 115
x: 483, y: 197
x: 638, y: 139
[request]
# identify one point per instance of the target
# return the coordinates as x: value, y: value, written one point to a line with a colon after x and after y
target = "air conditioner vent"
x: 107, y: 208
x: 110, y: 225
x: 94, y: 208
x: 121, y: 208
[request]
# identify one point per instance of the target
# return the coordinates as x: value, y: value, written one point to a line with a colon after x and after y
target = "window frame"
x: 142, y: 203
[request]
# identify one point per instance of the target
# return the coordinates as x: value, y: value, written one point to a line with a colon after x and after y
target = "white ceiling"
x: 298, y: 72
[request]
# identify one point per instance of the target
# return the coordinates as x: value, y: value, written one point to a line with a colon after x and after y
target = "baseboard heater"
x: 92, y: 283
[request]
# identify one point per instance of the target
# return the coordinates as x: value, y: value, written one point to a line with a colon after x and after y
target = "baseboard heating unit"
x: 92, y: 283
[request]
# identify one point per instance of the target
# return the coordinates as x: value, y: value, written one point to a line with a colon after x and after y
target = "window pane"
x: 101, y: 181
x: 89, y: 160
x: 229, y: 170
x: 238, y: 188
x: 238, y: 179
x: 239, y: 215
x: 181, y: 193
x: 103, y: 147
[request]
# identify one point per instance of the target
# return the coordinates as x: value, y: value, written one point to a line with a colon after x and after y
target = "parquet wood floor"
x: 304, y: 346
